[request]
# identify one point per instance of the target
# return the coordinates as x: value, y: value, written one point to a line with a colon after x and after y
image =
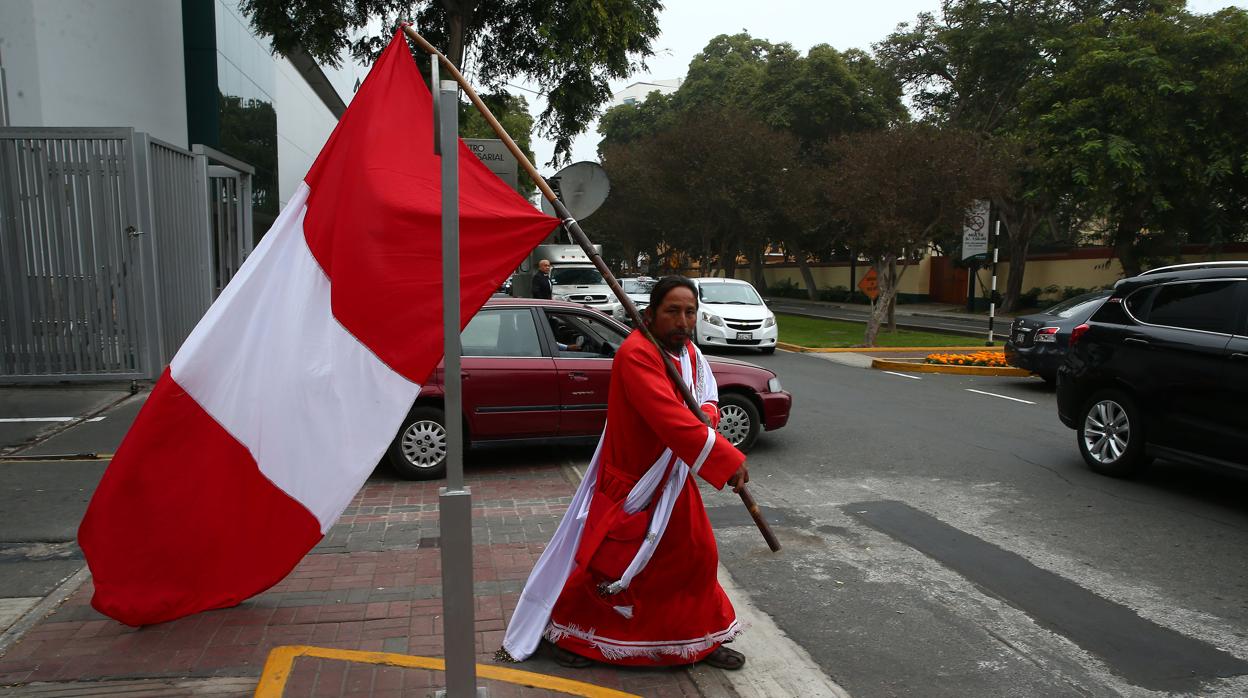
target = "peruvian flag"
x: 285, y: 396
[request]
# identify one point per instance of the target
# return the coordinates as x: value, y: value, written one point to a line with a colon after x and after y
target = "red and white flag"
x: 285, y: 396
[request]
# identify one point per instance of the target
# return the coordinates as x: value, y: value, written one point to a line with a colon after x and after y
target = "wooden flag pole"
x: 574, y: 229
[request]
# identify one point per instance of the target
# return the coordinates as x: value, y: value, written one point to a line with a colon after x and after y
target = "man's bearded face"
x: 674, y: 319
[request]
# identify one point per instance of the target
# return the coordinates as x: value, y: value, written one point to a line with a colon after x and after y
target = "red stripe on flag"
x: 180, y: 482
x: 374, y: 220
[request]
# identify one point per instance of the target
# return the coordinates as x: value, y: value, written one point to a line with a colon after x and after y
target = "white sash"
x: 551, y: 572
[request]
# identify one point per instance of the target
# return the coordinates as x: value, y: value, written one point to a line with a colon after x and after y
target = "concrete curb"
x: 914, y: 367
x: 40, y: 610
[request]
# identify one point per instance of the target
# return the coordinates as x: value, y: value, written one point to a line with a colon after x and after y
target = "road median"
x: 922, y: 367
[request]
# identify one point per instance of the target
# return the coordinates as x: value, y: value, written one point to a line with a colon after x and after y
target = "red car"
x: 538, y: 371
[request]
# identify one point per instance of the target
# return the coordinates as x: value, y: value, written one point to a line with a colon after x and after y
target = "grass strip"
x: 829, y: 334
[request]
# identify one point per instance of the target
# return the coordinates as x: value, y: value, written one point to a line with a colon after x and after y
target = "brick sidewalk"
x: 373, y: 584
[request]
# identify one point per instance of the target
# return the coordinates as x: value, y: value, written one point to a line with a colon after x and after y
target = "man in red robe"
x: 634, y: 561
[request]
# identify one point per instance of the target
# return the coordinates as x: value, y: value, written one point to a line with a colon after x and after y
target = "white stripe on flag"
x: 271, y: 364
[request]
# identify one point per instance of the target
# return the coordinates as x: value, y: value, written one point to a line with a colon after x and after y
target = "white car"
x: 638, y: 289
x: 732, y: 314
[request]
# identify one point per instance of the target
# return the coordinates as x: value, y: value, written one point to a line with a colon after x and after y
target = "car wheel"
x: 739, y: 421
x: 419, y: 450
x: 767, y: 351
x: 1111, y: 434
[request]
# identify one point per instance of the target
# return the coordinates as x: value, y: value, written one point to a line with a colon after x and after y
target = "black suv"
x: 1161, y: 369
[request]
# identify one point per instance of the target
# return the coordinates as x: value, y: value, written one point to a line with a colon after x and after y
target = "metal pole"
x: 578, y: 236
x: 992, y: 297
x: 454, y: 500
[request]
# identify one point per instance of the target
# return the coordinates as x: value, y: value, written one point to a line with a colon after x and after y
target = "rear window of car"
x: 1193, y: 305
x: 1079, y: 305
x: 508, y: 332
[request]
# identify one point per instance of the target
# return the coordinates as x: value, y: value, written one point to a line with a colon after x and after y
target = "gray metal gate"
x: 106, y: 253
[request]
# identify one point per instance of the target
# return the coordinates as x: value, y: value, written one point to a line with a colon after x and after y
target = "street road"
x: 943, y: 538
x: 941, y: 534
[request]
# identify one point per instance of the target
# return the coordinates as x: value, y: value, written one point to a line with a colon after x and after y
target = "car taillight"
x: 1076, y: 333
x: 1046, y: 334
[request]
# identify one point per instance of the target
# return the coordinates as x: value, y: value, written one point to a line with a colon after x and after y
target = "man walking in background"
x: 541, y: 281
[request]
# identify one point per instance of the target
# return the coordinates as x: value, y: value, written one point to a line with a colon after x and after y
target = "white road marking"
x: 903, y: 375
x: 1003, y: 397
x: 8, y: 420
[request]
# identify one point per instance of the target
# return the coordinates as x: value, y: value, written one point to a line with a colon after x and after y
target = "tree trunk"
x: 728, y: 261
x: 458, y: 16
x: 892, y: 301
x: 756, y: 271
x: 807, y: 277
x: 879, y: 310
x: 1020, y: 220
x: 1126, y: 233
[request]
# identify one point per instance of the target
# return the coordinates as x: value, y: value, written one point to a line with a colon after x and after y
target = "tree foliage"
x: 571, y: 49
x: 895, y: 190
x: 1135, y: 123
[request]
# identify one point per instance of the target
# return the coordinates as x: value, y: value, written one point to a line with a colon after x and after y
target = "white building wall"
x: 303, y: 125
x: 95, y: 63
x: 638, y: 91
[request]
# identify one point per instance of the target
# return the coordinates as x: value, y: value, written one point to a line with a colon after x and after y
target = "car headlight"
x: 773, y: 385
x: 713, y: 319
x: 770, y: 321
x: 561, y: 296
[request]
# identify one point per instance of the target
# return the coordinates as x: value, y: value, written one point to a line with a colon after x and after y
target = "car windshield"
x: 1079, y: 305
x: 576, y: 276
x: 637, y: 286
x: 730, y: 294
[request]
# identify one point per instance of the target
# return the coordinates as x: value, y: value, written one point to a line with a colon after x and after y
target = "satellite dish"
x: 581, y: 186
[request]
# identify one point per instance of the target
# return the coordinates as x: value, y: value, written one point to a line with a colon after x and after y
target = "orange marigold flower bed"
x: 979, y: 358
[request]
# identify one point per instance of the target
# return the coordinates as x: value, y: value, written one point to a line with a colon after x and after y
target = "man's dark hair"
x: 665, y: 286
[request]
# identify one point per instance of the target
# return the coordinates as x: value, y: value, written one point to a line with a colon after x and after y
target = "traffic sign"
x: 870, y: 285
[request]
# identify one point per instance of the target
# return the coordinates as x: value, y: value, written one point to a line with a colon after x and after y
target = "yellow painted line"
x: 19, y: 458
x: 915, y: 367
x: 882, y: 350
x: 281, y: 660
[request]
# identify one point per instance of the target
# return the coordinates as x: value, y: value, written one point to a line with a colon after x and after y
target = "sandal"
x: 724, y: 658
x: 565, y: 658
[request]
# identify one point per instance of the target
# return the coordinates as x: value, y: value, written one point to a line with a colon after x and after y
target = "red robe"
x: 679, y: 612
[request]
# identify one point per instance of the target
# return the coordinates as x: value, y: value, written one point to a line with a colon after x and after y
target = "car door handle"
x: 464, y: 375
x: 1239, y: 356
x: 1135, y: 340
x: 578, y: 376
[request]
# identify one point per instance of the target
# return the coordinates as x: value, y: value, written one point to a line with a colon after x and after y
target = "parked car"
x: 1038, y: 342
x: 731, y: 313
x: 1161, y: 369
x: 539, y: 371
x: 638, y: 290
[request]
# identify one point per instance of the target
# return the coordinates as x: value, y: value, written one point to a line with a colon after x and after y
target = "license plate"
x: 745, y: 335
x: 1020, y: 337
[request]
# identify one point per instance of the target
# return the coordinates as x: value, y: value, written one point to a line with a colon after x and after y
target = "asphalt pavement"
x: 941, y: 535
x: 985, y: 458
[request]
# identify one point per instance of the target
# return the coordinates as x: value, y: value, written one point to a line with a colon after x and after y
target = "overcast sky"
x: 687, y: 26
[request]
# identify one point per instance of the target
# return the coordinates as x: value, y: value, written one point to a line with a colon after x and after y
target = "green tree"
x: 1141, y: 118
x: 973, y: 68
x: 571, y: 49
x: 512, y: 111
x: 773, y: 96
x: 625, y: 123
x: 897, y: 190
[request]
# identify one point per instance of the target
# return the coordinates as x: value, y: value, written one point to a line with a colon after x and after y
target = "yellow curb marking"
x: 886, y: 365
x: 20, y: 458
x: 278, y: 666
